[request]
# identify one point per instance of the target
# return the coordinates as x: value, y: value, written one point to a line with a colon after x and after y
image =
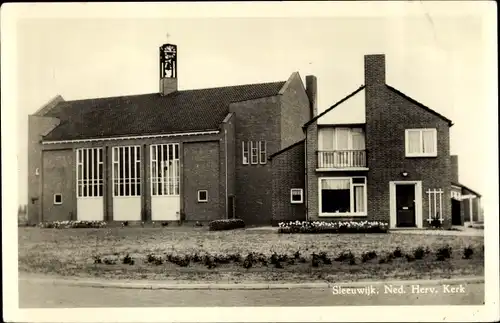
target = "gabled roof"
x: 450, y: 123
x: 285, y: 149
x: 465, y: 187
x: 149, y: 114
x: 420, y: 105
x: 333, y: 107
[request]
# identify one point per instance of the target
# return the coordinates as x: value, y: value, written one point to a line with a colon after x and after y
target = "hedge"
x: 333, y: 227
x: 72, y: 224
x: 228, y: 224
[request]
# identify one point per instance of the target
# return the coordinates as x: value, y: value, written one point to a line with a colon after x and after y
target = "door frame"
x: 418, y: 202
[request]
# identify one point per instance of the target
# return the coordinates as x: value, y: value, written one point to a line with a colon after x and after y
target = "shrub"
x: 467, y: 252
x: 333, y: 227
x: 72, y: 224
x: 127, y: 260
x: 397, y: 253
x: 345, y: 256
x: 443, y: 253
x: 227, y: 224
x: 367, y: 256
x: 419, y: 253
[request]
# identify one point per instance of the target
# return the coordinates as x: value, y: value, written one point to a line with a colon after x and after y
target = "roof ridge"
x: 333, y: 106
x: 188, y: 90
x: 450, y: 123
x: 279, y: 152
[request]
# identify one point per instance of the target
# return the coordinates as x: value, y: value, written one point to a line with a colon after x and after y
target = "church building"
x: 190, y: 155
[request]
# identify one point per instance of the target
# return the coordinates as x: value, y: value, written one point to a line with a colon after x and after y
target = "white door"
x: 89, y: 184
x: 127, y: 183
x: 165, y: 185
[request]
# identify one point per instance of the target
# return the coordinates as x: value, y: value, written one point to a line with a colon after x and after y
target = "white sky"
x: 437, y: 57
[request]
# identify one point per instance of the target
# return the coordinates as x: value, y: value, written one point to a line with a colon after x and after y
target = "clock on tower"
x: 168, y: 61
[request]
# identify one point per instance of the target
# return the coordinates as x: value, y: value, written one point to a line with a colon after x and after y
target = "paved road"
x: 40, y: 294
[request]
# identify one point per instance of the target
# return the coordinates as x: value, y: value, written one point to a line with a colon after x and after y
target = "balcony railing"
x: 342, y: 159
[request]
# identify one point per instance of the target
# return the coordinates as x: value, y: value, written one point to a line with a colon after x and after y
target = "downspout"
x: 225, y: 153
x: 306, y: 191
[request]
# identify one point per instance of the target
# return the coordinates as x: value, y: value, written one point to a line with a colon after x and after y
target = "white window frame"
x: 89, y: 179
x: 301, y: 193
x: 351, y: 197
x: 245, y: 153
x: 420, y: 153
x: 170, y: 185
x: 134, y: 171
x: 351, y: 131
x: 254, y: 153
x: 200, y: 200
x: 55, y: 202
x: 262, y: 151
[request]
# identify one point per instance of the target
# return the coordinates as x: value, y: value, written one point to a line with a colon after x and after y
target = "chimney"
x: 312, y: 94
x: 454, y: 168
x: 374, y: 69
x: 168, y: 69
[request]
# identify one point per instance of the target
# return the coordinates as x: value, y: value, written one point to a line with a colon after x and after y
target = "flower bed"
x: 294, y: 260
x: 72, y: 224
x: 333, y: 227
x: 227, y: 224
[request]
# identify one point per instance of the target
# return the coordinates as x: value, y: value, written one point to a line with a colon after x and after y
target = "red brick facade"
x: 211, y: 162
x: 387, y: 113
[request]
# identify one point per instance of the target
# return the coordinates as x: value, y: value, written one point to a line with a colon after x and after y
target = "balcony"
x: 341, y: 160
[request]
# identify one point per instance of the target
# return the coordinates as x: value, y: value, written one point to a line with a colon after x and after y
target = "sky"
x: 437, y: 58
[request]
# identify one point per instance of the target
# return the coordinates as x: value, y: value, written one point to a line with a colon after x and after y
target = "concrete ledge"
x: 243, y: 286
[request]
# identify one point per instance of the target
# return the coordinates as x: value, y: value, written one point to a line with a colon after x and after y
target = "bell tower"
x: 168, y: 69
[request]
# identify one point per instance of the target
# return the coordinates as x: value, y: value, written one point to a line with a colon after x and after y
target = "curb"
x: 246, y: 286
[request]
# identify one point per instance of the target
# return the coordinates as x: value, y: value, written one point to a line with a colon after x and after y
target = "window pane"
x: 413, y: 142
x: 359, y: 198
x: 153, y: 152
x: 358, y: 180
x: 335, y: 184
x: 342, y: 139
x: 132, y: 188
x: 335, y: 200
x: 428, y: 141
x: 100, y: 189
x: 327, y: 139
x: 358, y: 141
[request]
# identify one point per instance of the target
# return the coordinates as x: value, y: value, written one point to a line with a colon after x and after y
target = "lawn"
x: 70, y: 252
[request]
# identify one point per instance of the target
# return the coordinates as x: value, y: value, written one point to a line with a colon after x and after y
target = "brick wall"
x: 255, y: 120
x: 454, y: 168
x: 215, y: 139
x: 229, y: 127
x: 387, y: 116
x: 58, y: 178
x: 295, y: 111
x: 311, y: 146
x: 201, y: 172
x: 288, y: 173
x: 37, y: 127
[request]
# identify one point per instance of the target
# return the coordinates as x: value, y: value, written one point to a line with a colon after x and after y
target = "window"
x: 421, y: 142
x: 89, y: 176
x: 342, y: 196
x: 337, y: 138
x: 127, y: 171
x: 244, y: 146
x: 165, y: 169
x: 262, y: 152
x: 254, y: 151
x: 58, y: 198
x: 296, y: 196
x: 202, y: 196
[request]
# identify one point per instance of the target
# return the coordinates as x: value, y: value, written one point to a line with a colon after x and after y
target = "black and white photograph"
x: 251, y: 161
